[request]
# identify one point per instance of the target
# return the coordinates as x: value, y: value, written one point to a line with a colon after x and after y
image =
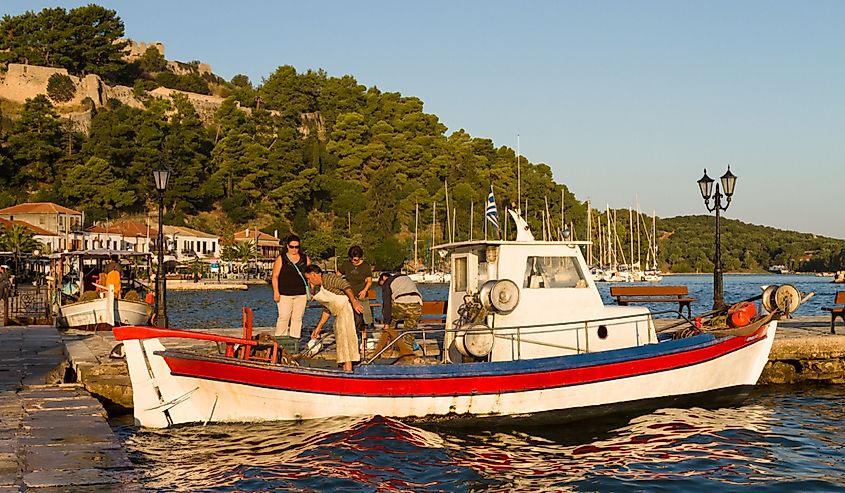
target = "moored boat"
x: 91, y: 293
x: 526, y: 337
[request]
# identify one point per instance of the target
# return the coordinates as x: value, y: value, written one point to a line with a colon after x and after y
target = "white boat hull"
x: 221, y: 391
x: 102, y: 313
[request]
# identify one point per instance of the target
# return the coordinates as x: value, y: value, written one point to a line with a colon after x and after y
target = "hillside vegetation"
x: 688, y: 246
x: 323, y: 156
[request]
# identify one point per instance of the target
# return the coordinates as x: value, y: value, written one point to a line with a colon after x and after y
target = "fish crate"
x: 290, y: 344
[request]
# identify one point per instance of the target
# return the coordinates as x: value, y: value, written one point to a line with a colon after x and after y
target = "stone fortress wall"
x: 22, y: 82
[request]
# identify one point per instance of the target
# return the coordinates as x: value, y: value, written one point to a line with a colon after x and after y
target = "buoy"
x: 741, y: 314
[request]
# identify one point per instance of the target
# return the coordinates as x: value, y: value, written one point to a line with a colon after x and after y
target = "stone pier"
x: 53, y: 436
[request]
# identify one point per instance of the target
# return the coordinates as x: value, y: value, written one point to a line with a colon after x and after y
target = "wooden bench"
x: 654, y: 294
x: 836, y: 311
x: 433, y: 312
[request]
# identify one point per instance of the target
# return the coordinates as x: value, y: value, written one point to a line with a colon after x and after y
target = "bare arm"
x: 356, y: 305
x: 367, y: 285
x: 324, y: 317
x: 277, y: 268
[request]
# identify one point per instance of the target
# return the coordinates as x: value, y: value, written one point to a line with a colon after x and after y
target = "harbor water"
x: 784, y: 438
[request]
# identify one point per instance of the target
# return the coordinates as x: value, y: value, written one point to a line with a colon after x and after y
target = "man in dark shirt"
x: 359, y: 273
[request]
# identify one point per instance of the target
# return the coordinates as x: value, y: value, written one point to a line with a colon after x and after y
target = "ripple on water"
x: 784, y: 440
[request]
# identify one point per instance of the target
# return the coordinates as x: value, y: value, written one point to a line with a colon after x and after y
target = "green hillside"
x: 687, y: 245
x: 319, y: 155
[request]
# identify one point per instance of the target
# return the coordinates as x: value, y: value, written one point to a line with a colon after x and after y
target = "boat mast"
x: 448, y: 221
x: 416, y: 231
x: 589, y: 235
x: 433, y: 226
x: 562, y: 222
x: 654, y: 235
x: 519, y: 181
x: 631, y: 236
x: 639, y: 218
x: 454, y: 224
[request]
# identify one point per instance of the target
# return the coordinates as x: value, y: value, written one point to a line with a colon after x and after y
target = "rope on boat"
x: 213, y: 407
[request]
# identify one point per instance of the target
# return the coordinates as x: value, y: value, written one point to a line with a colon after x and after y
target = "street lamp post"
x: 161, y: 176
x: 705, y: 185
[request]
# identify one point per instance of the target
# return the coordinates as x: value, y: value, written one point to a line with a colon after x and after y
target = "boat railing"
x: 519, y: 332
x: 233, y: 345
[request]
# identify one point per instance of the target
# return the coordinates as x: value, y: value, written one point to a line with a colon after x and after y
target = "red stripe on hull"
x: 422, y: 385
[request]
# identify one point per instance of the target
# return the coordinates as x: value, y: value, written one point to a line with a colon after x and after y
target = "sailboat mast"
x: 416, y: 232
x: 448, y: 221
x: 654, y: 235
x: 518, y: 178
x: 631, y: 233
x: 433, y: 226
x: 639, y: 218
x: 589, y: 235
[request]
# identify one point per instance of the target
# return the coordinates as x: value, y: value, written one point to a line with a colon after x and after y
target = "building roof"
x: 183, y: 231
x: 38, y: 208
x: 34, y: 229
x: 255, y: 234
x: 125, y: 228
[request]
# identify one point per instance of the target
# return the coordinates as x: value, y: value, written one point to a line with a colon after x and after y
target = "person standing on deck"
x: 401, y: 300
x: 290, y: 289
x: 337, y: 298
x: 359, y: 273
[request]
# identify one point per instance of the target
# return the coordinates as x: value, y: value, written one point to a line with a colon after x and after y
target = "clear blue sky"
x: 619, y: 98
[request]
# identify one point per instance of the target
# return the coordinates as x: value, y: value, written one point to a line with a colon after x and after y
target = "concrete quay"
x: 53, y: 436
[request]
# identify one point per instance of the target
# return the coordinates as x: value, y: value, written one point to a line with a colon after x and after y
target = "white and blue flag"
x: 492, y: 213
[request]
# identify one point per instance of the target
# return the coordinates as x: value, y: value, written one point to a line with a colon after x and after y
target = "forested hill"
x: 319, y: 155
x: 687, y: 245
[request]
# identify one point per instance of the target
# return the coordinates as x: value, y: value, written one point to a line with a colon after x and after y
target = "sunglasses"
x: 293, y: 246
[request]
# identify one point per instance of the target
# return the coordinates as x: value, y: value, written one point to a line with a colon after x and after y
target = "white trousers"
x: 291, y: 310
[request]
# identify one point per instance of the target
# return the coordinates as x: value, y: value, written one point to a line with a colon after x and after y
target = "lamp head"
x: 705, y: 185
x: 161, y: 176
x: 728, y: 182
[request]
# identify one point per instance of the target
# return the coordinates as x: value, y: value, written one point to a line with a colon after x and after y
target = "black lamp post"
x: 161, y: 176
x: 705, y: 184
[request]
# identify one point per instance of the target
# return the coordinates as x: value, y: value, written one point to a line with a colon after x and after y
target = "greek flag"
x: 492, y: 213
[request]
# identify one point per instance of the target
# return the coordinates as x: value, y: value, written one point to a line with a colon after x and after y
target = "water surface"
x: 783, y: 439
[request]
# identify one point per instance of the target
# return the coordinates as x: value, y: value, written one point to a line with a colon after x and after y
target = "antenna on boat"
x: 518, y: 176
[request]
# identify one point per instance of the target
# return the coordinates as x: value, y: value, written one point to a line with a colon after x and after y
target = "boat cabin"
x: 524, y: 299
x: 79, y: 271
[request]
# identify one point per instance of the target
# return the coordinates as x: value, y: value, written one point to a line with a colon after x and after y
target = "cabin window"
x: 553, y: 272
x: 459, y: 274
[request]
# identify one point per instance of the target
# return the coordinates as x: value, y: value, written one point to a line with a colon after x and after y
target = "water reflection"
x: 343, y: 454
x: 380, y: 454
x: 714, y: 444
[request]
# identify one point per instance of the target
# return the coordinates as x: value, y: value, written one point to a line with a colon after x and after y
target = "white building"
x: 191, y: 244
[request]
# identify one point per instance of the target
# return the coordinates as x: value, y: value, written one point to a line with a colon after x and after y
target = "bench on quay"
x: 653, y: 294
x: 836, y: 311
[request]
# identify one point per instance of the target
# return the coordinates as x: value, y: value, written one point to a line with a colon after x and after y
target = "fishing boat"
x: 99, y: 289
x: 526, y: 338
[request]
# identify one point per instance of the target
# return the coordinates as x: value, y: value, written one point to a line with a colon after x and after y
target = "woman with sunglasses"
x: 290, y: 287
